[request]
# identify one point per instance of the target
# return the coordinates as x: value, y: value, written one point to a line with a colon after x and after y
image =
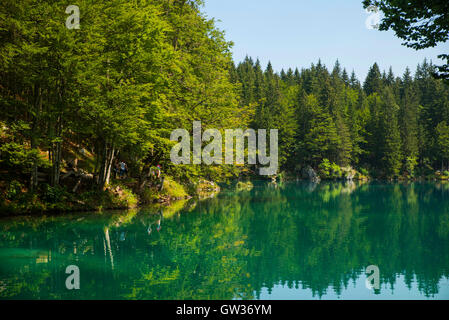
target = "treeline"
x: 387, y: 125
x: 114, y: 88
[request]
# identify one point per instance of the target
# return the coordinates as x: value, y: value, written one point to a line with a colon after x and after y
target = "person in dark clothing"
x: 123, y: 169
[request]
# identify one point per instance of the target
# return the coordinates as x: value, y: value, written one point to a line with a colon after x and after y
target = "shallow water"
x: 285, y: 241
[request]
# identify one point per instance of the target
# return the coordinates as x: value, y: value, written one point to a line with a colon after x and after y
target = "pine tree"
x: 345, y: 77
x: 373, y: 81
x: 321, y: 138
x: 442, y: 131
x: 391, y: 138
x: 354, y: 82
x: 390, y: 77
x: 344, y: 148
x: 297, y: 76
x: 408, y: 121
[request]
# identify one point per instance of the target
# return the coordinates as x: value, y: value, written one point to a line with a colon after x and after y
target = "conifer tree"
x: 408, y: 121
x: 390, y: 138
x: 373, y: 81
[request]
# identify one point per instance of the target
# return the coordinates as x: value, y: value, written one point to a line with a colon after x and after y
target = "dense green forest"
x: 114, y: 89
x: 389, y: 125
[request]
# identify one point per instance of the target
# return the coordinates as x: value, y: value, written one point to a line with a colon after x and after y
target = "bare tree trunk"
x: 101, y: 174
x: 106, y: 163
x: 109, y: 165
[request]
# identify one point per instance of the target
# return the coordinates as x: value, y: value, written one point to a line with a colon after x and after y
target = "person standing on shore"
x: 123, y: 169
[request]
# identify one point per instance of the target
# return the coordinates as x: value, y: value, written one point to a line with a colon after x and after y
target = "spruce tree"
x: 373, y: 81
x: 408, y: 121
x: 391, y: 138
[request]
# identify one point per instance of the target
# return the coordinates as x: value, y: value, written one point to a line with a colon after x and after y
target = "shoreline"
x: 243, y: 185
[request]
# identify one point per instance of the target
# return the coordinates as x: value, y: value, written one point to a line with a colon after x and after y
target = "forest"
x: 390, y: 126
x: 77, y: 100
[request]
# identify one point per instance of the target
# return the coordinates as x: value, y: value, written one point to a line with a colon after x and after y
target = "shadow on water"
x: 309, y: 239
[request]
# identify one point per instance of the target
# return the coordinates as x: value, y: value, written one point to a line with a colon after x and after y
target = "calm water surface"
x: 290, y: 241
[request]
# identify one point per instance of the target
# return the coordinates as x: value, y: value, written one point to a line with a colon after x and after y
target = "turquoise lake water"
x: 294, y: 240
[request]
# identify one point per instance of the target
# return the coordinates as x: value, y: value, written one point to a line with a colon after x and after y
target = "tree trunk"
x: 33, y: 178
x: 56, y: 165
x: 105, y: 167
x: 109, y: 165
x: 33, y: 139
x: 56, y: 157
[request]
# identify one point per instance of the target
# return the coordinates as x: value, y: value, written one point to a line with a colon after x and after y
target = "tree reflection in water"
x: 318, y: 237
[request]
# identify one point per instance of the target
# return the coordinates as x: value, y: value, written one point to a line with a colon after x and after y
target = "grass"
x: 173, y: 189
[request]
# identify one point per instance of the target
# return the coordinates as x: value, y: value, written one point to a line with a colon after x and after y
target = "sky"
x: 358, y: 291
x: 296, y: 33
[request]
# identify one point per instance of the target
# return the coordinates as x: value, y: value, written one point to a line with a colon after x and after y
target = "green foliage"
x: 114, y: 197
x: 388, y: 126
x: 410, y: 165
x: 325, y: 168
x: 134, y: 71
x: 116, y: 87
x: 364, y: 172
x: 442, y: 131
x: 13, y: 155
x: 421, y: 24
x: 54, y: 194
x: 336, y: 171
x: 329, y: 170
x: 173, y: 189
x: 148, y: 196
x: 373, y: 81
x: 391, y: 153
x: 14, y: 190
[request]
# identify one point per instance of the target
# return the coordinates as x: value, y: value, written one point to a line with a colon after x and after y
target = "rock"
x: 310, y: 174
x: 206, y: 189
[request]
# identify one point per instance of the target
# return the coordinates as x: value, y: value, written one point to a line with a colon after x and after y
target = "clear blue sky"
x: 295, y: 33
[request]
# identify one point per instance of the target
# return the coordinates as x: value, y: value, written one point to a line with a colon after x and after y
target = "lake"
x: 294, y: 240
